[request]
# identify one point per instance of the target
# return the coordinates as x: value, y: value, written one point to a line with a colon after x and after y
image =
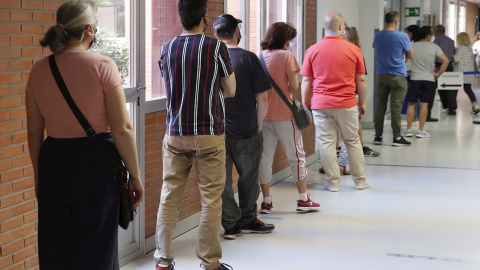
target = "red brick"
x: 5, y: 262
x: 18, y: 266
x: 19, y: 137
x: 20, y: 64
x: 42, y: 17
x: 10, y: 53
x: 4, y: 116
x: 10, y: 224
x: 30, y: 240
x: 4, y: 41
x: 5, y: 238
x: 4, y: 91
x: 23, y: 208
x: 11, y: 151
x: 29, y: 194
x: 10, y: 176
x: 53, y: 6
x: 10, y: 102
x: 13, y: 4
x: 23, y: 254
x: 31, y: 52
x: 5, y: 140
x: 21, y: 41
x: 17, y: 90
x: 23, y: 184
x: 5, y: 214
x: 32, y: 263
x: 9, y: 201
x: 30, y: 217
x: 4, y: 16
x: 20, y: 16
x: 25, y: 76
x: 9, y: 78
x: 10, y: 29
x: 32, y: 29
x: 18, y: 114
x: 23, y: 231
x: 26, y: 4
x: 4, y: 166
x: 4, y: 66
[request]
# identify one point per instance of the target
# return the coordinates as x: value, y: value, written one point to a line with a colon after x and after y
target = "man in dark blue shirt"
x: 197, y: 74
x: 244, y: 116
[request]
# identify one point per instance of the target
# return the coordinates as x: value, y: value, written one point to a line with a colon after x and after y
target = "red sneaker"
x: 266, y: 208
x: 307, y: 206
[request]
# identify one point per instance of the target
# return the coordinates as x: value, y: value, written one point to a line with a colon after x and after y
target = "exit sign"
x: 412, y: 12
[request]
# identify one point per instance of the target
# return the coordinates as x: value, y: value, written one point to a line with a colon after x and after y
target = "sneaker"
x: 170, y: 267
x: 266, y: 208
x: 445, y: 110
x: 407, y: 133
x: 231, y: 234
x: 422, y: 134
x: 307, y: 206
x: 401, y: 142
x: 476, y: 110
x: 224, y: 266
x: 362, y: 185
x: 378, y: 140
x: 257, y: 226
x: 331, y: 188
x: 452, y: 112
x: 368, y: 152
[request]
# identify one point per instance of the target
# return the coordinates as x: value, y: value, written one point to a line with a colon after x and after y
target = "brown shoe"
x: 344, y: 170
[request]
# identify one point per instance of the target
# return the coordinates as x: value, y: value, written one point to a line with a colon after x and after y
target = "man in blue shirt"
x: 391, y: 49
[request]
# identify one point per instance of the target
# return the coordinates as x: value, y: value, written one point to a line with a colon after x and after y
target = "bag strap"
x: 272, y: 82
x: 66, y: 94
x: 78, y: 114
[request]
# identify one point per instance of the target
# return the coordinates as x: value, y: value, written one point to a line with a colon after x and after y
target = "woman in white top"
x: 476, y: 49
x: 463, y: 61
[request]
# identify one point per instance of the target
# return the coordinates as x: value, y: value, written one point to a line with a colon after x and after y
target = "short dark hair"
x: 423, y: 32
x: 439, y: 29
x: 277, y: 35
x: 391, y: 16
x: 191, y: 12
x: 414, y: 30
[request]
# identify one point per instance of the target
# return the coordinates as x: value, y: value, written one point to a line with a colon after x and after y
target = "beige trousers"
x: 179, y: 154
x: 326, y: 122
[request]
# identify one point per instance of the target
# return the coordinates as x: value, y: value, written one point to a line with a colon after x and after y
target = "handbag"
x: 117, y: 168
x: 301, y: 114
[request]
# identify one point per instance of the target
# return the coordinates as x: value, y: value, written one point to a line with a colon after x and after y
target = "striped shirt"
x: 191, y: 67
x: 447, y: 45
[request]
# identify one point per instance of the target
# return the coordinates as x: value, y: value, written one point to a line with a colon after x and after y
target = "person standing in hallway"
x: 336, y: 79
x: 198, y: 75
x: 391, y: 49
x: 279, y: 123
x: 78, y: 204
x: 476, y: 52
x: 422, y: 80
x: 447, y: 97
x: 464, y: 62
x: 244, y: 116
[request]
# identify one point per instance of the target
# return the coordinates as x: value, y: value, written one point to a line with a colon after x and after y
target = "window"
x: 451, y: 30
x: 462, y: 17
x: 162, y: 24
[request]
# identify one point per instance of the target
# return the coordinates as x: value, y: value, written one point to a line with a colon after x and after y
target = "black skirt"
x: 77, y: 206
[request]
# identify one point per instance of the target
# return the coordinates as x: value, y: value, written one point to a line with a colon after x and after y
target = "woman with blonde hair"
x: 78, y: 197
x: 463, y: 61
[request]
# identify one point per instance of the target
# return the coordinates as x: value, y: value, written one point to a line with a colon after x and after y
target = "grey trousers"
x: 245, y: 153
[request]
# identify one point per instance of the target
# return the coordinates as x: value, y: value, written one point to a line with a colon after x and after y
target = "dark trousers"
x: 447, y: 97
x: 77, y: 207
x: 245, y: 153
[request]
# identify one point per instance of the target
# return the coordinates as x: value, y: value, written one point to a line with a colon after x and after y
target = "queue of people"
x: 223, y: 113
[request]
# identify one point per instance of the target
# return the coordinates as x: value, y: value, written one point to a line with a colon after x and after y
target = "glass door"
x: 116, y: 38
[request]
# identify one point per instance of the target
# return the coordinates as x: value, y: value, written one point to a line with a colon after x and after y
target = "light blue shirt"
x: 390, y: 47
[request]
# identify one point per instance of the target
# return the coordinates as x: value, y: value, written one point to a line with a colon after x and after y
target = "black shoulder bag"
x: 302, y: 114
x: 117, y: 168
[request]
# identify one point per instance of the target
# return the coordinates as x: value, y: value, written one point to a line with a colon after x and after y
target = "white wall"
x: 366, y: 16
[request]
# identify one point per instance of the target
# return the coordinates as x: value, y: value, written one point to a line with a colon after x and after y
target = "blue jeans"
x: 245, y: 153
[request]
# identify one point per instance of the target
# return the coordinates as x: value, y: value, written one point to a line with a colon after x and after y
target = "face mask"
x: 93, y: 43
x: 289, y: 47
x: 239, y: 37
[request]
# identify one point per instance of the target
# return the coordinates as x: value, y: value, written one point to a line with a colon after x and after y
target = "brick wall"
x: 22, y: 24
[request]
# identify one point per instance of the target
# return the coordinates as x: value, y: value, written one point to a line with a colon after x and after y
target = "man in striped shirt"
x: 198, y: 75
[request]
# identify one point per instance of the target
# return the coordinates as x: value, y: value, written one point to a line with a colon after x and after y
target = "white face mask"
x: 289, y: 47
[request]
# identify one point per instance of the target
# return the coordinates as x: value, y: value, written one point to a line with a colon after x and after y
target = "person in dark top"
x: 244, y: 116
x: 198, y: 75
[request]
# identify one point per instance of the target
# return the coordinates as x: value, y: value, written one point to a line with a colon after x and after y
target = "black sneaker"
x: 257, y: 226
x: 452, y: 112
x: 378, y: 140
x: 368, y: 152
x: 231, y: 234
x: 401, y: 142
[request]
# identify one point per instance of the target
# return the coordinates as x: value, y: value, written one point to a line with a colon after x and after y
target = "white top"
x: 464, y: 62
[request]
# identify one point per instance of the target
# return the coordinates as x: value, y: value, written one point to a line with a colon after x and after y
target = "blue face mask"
x: 332, y: 32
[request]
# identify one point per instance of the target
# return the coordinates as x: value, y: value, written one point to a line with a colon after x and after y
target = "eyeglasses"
x: 348, y: 28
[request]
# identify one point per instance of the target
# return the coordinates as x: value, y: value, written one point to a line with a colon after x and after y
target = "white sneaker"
x: 407, y: 133
x: 331, y: 188
x: 422, y: 134
x: 362, y: 185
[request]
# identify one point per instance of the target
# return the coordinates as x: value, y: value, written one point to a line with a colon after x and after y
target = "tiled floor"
x: 422, y: 212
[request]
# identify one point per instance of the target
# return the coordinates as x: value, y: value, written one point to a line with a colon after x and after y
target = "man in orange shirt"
x: 337, y: 78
